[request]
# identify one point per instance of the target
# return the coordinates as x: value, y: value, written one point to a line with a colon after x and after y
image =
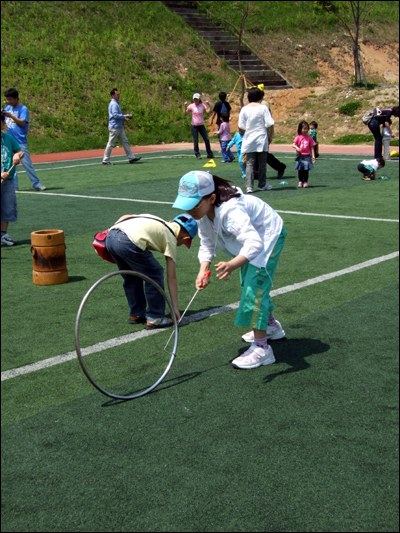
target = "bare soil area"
x: 321, y: 100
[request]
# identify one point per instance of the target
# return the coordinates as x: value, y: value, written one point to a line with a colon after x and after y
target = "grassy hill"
x: 65, y: 57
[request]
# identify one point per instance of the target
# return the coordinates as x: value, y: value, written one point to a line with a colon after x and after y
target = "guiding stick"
x: 206, y: 275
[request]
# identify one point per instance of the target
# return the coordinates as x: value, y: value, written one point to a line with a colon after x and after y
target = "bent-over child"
x: 252, y: 234
x: 130, y: 241
x: 369, y: 167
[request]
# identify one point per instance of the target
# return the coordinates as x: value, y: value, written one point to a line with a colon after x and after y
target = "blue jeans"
x: 226, y: 152
x: 8, y: 201
x: 203, y: 132
x: 28, y: 166
x: 128, y: 256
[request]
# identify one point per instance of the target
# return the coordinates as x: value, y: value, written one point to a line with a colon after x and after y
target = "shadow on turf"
x: 163, y: 385
x: 293, y: 353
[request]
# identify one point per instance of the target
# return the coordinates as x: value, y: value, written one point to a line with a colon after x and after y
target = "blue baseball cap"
x: 190, y: 225
x: 192, y: 187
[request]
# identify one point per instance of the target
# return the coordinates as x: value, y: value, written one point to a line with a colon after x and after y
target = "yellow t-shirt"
x: 150, y: 234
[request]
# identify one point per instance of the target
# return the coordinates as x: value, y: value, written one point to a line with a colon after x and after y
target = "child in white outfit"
x: 252, y: 234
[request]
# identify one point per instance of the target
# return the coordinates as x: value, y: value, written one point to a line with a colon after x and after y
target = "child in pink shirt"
x: 225, y: 137
x: 304, y: 146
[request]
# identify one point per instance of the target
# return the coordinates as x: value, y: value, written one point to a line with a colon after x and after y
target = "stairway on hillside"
x: 225, y: 47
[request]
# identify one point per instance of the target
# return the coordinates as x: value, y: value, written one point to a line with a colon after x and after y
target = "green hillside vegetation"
x: 69, y: 55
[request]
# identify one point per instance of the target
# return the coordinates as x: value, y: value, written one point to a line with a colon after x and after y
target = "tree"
x: 351, y: 15
x: 243, y: 8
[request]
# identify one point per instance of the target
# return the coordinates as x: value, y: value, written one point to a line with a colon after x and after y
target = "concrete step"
x: 201, y: 24
x: 250, y: 65
x: 219, y: 38
x: 232, y: 52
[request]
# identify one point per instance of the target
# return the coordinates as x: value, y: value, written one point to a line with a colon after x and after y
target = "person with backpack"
x: 130, y: 242
x: 381, y: 117
x: 220, y: 107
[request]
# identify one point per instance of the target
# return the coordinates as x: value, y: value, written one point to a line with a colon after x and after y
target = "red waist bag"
x: 99, y: 244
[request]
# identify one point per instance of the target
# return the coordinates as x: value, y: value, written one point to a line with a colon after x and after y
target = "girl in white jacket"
x: 252, y: 234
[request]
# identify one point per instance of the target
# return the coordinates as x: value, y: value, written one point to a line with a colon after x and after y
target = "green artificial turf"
x: 306, y: 444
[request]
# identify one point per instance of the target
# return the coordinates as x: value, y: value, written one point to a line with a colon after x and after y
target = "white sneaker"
x: 40, y: 188
x: 249, y: 189
x: 267, y: 187
x: 7, y: 240
x: 274, y: 333
x: 254, y: 357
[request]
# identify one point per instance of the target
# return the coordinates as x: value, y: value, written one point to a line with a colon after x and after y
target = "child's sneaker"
x: 305, y: 185
x: 267, y: 187
x: 244, y: 176
x: 156, y: 323
x: 274, y: 333
x: 300, y: 185
x: 249, y: 189
x: 6, y: 240
x: 254, y: 357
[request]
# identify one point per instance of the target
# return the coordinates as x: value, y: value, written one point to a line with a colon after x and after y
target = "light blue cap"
x: 192, y: 187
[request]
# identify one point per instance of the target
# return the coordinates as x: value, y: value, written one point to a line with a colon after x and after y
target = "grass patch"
x: 355, y: 138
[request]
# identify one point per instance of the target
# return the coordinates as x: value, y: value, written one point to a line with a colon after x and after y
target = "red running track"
x: 85, y: 154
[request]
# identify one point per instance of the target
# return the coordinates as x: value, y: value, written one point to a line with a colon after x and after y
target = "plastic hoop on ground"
x: 77, y: 324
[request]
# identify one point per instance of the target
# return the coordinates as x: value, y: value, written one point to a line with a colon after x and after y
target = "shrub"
x: 350, y: 108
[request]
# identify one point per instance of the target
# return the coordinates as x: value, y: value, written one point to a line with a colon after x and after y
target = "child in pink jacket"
x: 305, y: 157
x: 225, y: 137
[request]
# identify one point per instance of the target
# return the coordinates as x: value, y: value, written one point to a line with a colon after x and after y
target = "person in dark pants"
x: 197, y: 109
x: 375, y: 127
x: 272, y: 161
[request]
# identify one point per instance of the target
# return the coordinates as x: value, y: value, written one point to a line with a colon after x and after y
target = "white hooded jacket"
x: 242, y: 226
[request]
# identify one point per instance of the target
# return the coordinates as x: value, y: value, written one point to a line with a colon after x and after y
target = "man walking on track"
x: 116, y: 128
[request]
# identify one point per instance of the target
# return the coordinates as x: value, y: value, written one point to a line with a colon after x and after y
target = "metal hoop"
x: 77, y: 323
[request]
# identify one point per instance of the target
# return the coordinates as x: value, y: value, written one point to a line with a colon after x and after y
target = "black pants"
x: 273, y: 162
x: 203, y: 132
x: 364, y: 170
x: 303, y: 176
x: 375, y: 129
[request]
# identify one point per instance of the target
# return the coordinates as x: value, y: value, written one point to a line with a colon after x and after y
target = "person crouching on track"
x: 11, y: 154
x: 252, y: 233
x: 129, y: 242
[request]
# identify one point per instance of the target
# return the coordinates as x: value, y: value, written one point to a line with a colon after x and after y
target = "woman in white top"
x: 256, y: 121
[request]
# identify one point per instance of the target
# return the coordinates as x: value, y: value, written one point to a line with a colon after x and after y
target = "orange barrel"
x: 48, y: 256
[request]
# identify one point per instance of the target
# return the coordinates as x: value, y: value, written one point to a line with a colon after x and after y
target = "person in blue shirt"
x: 17, y: 120
x: 116, y: 128
x: 238, y: 138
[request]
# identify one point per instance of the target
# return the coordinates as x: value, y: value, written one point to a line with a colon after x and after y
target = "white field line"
x: 194, y: 318
x: 95, y: 197
x: 170, y: 203
x: 99, y: 162
x: 337, y: 216
x: 172, y: 156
